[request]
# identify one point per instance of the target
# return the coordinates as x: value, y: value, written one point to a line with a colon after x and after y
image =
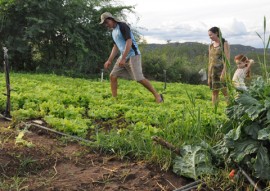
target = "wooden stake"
x: 6, y: 69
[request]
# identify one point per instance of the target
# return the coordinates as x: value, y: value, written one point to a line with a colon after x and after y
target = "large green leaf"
x: 233, y: 134
x: 252, y: 130
x: 262, y: 164
x: 247, y: 100
x: 264, y: 134
x: 267, y: 106
x: 194, y: 162
x: 244, y: 148
x: 236, y: 112
x: 251, y: 105
x: 268, y: 116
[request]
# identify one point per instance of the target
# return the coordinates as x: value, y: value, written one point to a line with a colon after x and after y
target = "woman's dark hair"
x: 217, y: 31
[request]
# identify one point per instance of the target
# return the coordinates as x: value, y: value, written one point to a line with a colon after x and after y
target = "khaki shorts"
x: 131, y: 70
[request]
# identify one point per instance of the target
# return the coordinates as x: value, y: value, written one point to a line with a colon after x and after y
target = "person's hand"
x: 107, y: 64
x: 122, y: 62
x: 251, y: 61
x: 222, y: 77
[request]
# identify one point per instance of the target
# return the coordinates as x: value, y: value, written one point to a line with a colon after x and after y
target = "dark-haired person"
x: 219, y: 51
x: 128, y: 65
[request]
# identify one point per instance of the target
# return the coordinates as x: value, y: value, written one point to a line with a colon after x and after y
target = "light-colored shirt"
x: 239, y: 78
x: 203, y: 74
x: 120, y: 34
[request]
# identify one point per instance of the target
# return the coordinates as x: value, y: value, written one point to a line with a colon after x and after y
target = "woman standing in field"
x: 219, y: 52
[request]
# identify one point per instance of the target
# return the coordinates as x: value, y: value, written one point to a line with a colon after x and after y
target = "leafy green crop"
x: 249, y: 139
x: 195, y: 162
x: 123, y: 125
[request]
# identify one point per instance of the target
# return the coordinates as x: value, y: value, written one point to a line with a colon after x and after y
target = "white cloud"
x: 237, y: 28
x: 190, y: 20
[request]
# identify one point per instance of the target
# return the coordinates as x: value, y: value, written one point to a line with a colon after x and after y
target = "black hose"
x: 189, y: 186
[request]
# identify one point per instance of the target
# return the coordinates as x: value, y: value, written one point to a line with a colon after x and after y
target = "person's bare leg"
x: 149, y: 86
x: 215, y: 97
x: 113, y: 80
x: 225, y: 93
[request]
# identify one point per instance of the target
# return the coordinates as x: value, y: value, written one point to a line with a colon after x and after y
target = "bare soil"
x: 45, y: 161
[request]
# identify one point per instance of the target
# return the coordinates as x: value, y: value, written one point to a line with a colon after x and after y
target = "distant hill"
x: 183, y: 61
x: 240, y: 49
x: 195, y: 48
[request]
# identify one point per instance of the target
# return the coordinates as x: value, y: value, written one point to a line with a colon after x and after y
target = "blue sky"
x: 189, y: 20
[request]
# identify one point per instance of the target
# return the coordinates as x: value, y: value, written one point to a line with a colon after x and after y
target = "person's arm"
x: 111, y: 57
x: 227, y: 57
x: 250, y: 62
x: 126, y: 33
x: 248, y: 71
x: 126, y: 51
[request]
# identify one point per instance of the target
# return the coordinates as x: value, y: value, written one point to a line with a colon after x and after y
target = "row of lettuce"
x: 125, y: 125
x: 76, y: 105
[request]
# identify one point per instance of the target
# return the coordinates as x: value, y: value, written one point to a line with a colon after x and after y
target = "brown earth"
x: 41, y: 160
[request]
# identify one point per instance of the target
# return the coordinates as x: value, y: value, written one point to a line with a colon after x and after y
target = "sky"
x: 160, y: 21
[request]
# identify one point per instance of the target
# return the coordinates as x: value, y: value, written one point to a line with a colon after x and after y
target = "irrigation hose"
x: 59, y: 133
x: 256, y: 187
x: 7, y: 118
x: 189, y: 186
x: 51, y: 130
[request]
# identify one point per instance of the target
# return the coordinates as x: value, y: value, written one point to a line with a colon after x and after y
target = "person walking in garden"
x: 242, y: 71
x: 128, y: 65
x: 219, y: 52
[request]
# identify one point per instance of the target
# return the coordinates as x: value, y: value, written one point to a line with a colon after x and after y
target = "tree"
x: 56, y: 35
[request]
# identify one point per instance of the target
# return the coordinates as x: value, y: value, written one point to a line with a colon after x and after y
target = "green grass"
x: 122, y: 125
x: 15, y: 183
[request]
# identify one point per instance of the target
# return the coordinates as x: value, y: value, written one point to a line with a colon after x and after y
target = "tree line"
x: 60, y: 36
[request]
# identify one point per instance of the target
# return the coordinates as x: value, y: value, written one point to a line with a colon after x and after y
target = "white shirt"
x: 203, y: 74
x: 239, y: 78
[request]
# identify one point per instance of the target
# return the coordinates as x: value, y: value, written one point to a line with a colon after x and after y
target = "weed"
x: 20, y: 140
x: 15, y: 183
x: 265, y: 41
x: 25, y: 164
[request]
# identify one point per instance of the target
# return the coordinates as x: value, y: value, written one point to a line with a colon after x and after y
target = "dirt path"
x: 43, y: 161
